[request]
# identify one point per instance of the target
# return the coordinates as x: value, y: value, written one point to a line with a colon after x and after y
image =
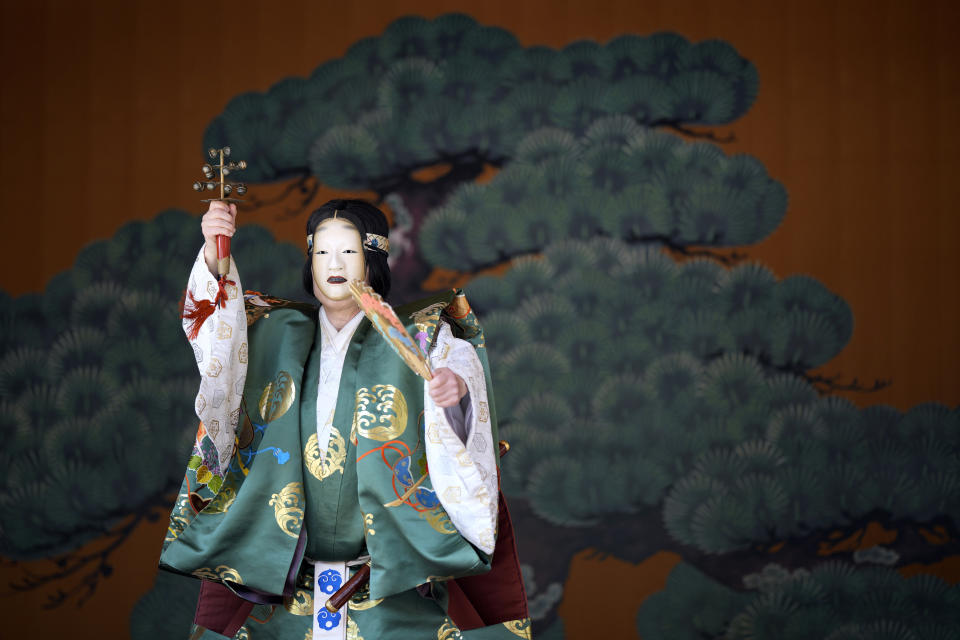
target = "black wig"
x: 367, y: 219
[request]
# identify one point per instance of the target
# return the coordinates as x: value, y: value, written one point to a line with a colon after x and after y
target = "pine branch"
x: 465, y: 167
x: 675, y: 125
x: 825, y: 385
x: 636, y: 537
x: 97, y: 561
x: 304, y: 183
x: 728, y: 260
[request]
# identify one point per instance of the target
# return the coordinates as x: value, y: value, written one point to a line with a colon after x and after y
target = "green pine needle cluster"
x: 618, y: 180
x: 683, y: 384
x: 97, y: 382
x: 832, y: 600
x: 428, y: 90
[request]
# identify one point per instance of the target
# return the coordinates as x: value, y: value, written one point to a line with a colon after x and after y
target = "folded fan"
x: 387, y: 324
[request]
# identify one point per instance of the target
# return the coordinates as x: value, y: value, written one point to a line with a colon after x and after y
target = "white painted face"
x: 337, y: 259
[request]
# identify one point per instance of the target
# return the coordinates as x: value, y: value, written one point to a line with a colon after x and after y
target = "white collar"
x: 339, y: 339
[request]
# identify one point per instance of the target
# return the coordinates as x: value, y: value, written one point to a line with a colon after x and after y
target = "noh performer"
x: 321, y: 457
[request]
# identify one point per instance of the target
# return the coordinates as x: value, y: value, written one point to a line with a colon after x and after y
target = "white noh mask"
x: 337, y: 259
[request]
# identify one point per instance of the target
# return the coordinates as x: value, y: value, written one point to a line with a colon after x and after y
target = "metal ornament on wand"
x: 226, y: 190
x: 196, y: 311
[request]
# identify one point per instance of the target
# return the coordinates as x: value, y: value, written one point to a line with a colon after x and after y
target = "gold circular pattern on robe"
x: 381, y: 413
x: 325, y: 466
x: 277, y: 397
x: 288, y: 508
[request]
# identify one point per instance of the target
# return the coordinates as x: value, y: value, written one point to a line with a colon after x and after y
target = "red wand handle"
x: 223, y: 255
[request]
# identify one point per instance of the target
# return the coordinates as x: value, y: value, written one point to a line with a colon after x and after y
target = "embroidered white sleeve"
x: 220, y: 349
x: 464, y: 474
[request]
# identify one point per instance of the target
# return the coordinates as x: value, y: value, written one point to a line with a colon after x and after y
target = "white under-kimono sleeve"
x: 220, y: 349
x: 463, y: 472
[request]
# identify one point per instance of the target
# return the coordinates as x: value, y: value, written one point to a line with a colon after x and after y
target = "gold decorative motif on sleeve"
x: 277, y: 397
x: 222, y: 572
x: 448, y: 631
x: 487, y: 539
x: 222, y: 501
x: 179, y: 517
x: 331, y: 461
x: 484, y: 413
x: 214, y: 368
x: 368, y: 524
x: 426, y: 318
x: 353, y: 633
x: 381, y: 413
x: 288, y: 508
x: 242, y: 353
x: 482, y: 495
x: 519, y: 628
x: 300, y: 603
x: 438, y: 519
x: 226, y: 573
x: 433, y: 433
x: 224, y: 331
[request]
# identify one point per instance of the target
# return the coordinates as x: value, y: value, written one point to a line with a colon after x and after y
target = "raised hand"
x: 220, y: 219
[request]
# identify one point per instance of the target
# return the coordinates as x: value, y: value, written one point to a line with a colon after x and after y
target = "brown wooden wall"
x: 103, y: 104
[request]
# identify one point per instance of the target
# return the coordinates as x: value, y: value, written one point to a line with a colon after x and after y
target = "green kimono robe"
x: 249, y: 525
